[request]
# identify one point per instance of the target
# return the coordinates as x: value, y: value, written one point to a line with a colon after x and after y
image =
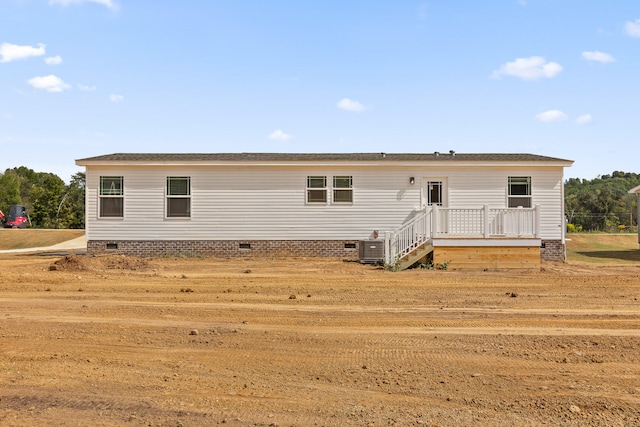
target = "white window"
x: 316, y: 189
x: 178, y: 196
x: 519, y: 192
x: 343, y: 189
x: 111, y: 197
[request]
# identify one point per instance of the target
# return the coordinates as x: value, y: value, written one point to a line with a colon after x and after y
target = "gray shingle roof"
x: 318, y: 157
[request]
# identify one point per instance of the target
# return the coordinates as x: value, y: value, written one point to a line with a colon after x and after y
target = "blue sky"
x: 80, y: 78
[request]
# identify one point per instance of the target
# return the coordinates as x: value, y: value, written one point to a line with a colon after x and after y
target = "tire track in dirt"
x: 451, y: 329
x: 73, y: 303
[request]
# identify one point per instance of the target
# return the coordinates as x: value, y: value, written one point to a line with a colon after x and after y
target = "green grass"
x: 34, y: 238
x: 601, y: 248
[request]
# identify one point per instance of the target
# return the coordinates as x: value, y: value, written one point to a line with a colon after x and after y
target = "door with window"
x: 435, y: 194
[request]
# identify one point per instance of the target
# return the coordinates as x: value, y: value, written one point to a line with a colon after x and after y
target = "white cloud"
x: 12, y: 52
x: 532, y: 68
x: 552, y: 116
x: 584, y: 119
x: 86, y: 88
x: 49, y: 83
x: 108, y: 3
x: 280, y: 136
x: 633, y: 28
x: 350, y: 105
x: 598, y: 57
x: 116, y: 98
x: 53, y: 60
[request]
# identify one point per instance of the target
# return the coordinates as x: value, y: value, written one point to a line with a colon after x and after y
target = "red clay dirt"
x: 302, y: 342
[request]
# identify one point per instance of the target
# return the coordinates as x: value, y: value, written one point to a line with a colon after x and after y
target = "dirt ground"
x: 312, y: 342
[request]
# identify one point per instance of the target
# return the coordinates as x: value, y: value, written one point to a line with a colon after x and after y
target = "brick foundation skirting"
x: 227, y: 248
x: 552, y: 250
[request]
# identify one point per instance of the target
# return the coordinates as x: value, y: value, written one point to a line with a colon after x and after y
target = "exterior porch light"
x: 412, y: 180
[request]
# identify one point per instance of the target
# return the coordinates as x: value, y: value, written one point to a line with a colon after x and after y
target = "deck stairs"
x: 411, y: 242
x: 414, y: 256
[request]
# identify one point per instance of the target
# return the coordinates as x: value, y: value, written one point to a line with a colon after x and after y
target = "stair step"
x: 417, y: 249
x: 414, y: 256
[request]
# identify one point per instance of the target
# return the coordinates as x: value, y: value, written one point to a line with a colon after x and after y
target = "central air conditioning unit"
x: 371, y: 251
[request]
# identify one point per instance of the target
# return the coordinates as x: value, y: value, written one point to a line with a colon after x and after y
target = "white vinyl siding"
x: 255, y: 203
x: 476, y: 187
x: 270, y: 202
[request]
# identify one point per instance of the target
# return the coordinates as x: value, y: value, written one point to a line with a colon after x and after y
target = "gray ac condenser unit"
x: 371, y: 251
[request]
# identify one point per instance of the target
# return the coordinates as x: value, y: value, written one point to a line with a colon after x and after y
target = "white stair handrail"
x: 408, y: 236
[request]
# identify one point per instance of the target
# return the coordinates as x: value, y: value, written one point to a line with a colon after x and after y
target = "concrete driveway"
x: 73, y: 245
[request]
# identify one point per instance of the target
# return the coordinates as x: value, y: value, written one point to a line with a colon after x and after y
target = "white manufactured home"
x: 481, y: 211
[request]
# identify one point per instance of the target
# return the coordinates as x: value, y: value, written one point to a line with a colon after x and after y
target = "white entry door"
x: 435, y: 194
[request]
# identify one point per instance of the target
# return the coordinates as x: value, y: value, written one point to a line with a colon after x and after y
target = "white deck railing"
x: 409, y: 236
x: 438, y: 222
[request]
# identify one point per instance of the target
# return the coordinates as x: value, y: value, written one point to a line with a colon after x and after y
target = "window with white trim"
x: 111, y: 197
x: 178, y: 196
x: 316, y: 189
x: 343, y: 189
x: 519, y: 192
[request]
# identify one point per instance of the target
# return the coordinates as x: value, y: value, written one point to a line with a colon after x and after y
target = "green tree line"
x: 49, y: 201
x: 602, y: 203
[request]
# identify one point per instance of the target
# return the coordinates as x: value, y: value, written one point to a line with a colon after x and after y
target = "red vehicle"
x: 17, y: 217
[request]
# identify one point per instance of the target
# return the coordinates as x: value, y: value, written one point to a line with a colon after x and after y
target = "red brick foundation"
x: 552, y: 250
x: 227, y: 248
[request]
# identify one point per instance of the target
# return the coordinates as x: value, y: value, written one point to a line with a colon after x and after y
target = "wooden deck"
x: 472, y: 238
